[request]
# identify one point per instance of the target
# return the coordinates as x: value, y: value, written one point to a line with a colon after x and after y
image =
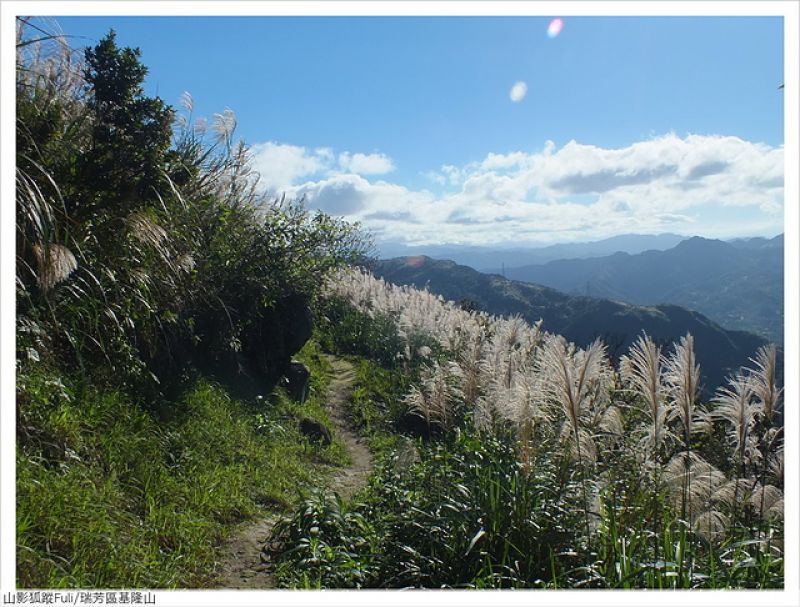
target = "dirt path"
x: 244, y: 563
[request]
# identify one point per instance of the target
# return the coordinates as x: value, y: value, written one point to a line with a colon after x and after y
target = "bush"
x: 139, y: 254
x: 464, y: 515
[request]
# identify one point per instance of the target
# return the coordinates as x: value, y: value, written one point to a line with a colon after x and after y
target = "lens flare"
x: 554, y: 29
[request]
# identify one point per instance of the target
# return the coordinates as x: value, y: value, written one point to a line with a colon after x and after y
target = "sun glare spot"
x: 554, y: 29
x: 518, y: 91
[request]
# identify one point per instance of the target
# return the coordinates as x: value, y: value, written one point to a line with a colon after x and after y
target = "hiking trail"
x: 243, y: 561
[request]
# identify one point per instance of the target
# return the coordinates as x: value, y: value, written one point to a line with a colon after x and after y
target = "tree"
x: 124, y: 165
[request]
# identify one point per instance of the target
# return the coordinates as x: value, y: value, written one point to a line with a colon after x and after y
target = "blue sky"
x: 408, y: 124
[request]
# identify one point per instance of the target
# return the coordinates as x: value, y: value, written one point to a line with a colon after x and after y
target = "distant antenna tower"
x: 504, y: 268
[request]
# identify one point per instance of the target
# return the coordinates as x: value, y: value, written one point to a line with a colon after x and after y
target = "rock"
x: 315, y: 430
x: 296, y: 381
x: 414, y: 425
x: 281, y: 332
x: 298, y: 323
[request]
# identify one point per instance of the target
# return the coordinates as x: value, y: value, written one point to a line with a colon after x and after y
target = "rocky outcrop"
x: 315, y: 430
x: 266, y: 348
x: 282, y: 332
x: 296, y: 381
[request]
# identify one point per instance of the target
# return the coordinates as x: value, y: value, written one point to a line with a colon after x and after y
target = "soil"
x: 244, y: 561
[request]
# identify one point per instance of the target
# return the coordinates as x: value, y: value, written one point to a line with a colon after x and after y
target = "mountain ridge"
x: 485, y: 257
x: 580, y: 319
x: 738, y: 285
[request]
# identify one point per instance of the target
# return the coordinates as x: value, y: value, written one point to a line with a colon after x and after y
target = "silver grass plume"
x: 735, y: 407
x: 469, y: 360
x: 776, y: 465
x: 712, y: 525
x: 145, y: 230
x: 767, y: 500
x: 734, y: 495
x: 224, y: 125
x: 571, y: 376
x: 643, y: 369
x: 582, y: 450
x: 187, y: 101
x: 54, y: 264
x: 682, y: 376
x: 525, y: 409
x: 764, y: 380
x: 691, y: 482
x: 434, y: 400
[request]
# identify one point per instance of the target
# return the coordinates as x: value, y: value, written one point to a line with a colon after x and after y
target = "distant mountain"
x: 494, y: 258
x: 579, y: 319
x: 738, y: 284
x: 757, y: 243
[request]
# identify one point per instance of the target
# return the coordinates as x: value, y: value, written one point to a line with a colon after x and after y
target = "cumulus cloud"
x: 366, y: 164
x: 518, y: 91
x: 339, y: 195
x: 710, y: 185
x: 283, y: 165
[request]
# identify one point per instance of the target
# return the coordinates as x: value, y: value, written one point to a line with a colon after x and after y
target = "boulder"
x: 296, y: 381
x: 415, y: 425
x: 298, y: 322
x: 315, y: 430
x: 282, y: 332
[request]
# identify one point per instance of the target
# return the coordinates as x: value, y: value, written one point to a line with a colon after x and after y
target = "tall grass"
x: 111, y: 495
x: 624, y: 456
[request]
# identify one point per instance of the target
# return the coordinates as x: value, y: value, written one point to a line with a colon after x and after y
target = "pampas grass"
x: 735, y: 408
x: 643, y: 370
x: 764, y: 381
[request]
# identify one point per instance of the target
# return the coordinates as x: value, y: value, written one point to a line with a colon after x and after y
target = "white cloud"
x: 700, y: 184
x: 283, y: 165
x: 366, y: 164
x: 338, y: 195
x: 280, y: 164
x: 518, y: 91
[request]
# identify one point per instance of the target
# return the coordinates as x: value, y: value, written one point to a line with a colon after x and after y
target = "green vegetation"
x: 140, y: 253
x: 111, y: 495
x: 159, y: 299
x: 541, y: 466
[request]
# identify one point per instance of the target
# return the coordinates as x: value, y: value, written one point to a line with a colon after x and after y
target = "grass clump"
x: 464, y: 514
x: 112, y: 495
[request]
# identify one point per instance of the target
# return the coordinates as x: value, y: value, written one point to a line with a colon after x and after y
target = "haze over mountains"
x: 489, y: 258
x: 738, y: 284
x: 578, y: 318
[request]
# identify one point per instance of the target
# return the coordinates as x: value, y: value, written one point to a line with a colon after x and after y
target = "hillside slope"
x: 738, y: 284
x: 579, y: 319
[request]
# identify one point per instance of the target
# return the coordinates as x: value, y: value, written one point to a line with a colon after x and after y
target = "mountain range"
x: 738, y: 284
x: 580, y: 319
x: 486, y: 257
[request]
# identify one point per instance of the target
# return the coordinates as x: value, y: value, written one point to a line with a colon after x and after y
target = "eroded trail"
x: 243, y: 562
